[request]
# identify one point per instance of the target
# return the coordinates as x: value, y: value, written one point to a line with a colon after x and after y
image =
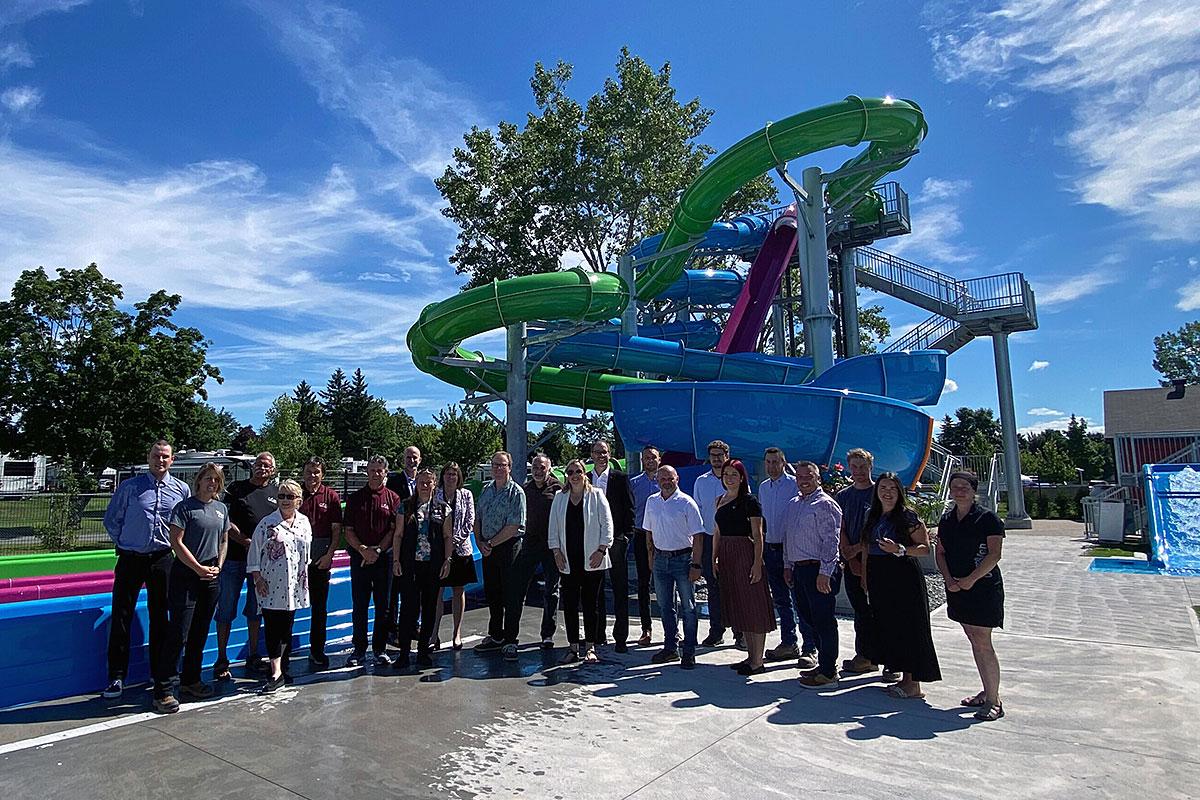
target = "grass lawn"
x: 1116, y: 551
x: 20, y: 519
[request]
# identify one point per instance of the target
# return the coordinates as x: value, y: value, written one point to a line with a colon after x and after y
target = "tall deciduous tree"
x: 202, y: 427
x: 82, y: 380
x: 588, y: 179
x: 281, y: 435
x: 467, y: 435
x: 1177, y: 354
x: 972, y: 431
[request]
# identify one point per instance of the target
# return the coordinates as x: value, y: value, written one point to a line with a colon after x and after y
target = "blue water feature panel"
x: 1173, y: 516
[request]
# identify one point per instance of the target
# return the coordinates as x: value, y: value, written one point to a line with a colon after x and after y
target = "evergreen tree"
x: 309, y: 404
x: 335, y: 398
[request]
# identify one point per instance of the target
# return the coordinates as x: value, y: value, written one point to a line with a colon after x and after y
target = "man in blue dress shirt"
x: 137, y: 522
x: 644, y: 484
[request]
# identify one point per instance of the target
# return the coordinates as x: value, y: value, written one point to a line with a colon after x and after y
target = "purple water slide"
x: 754, y: 303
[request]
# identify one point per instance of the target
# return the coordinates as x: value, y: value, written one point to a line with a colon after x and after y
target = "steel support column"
x: 814, y: 273
x: 629, y: 315
x: 516, y: 399
x: 849, y: 303
x: 1016, y: 517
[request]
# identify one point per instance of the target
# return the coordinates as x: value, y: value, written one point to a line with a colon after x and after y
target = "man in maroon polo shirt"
x: 369, y: 527
x: 323, y: 507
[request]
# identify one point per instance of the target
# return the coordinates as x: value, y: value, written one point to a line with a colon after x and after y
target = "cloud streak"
x: 1130, y: 70
x: 1038, y: 366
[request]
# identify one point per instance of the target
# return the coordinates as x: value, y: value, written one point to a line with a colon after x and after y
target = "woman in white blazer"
x: 581, y: 531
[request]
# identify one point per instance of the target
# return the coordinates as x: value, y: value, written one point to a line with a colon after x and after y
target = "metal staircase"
x: 961, y: 310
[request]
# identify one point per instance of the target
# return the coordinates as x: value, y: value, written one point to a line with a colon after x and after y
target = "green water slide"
x: 893, y: 129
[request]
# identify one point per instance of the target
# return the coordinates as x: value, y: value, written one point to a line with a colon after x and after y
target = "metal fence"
x: 49, y: 522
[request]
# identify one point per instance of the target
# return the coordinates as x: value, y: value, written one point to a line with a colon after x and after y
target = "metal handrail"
x: 924, y: 335
x: 912, y: 276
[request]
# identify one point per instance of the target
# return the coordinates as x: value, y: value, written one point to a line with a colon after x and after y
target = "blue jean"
x: 715, y: 625
x: 233, y: 575
x: 784, y: 604
x: 671, y: 576
x: 820, y: 609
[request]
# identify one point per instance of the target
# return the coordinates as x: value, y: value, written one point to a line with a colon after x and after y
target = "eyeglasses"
x: 574, y: 472
x: 286, y: 496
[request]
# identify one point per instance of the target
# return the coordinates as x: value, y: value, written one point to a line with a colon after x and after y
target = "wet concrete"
x: 1100, y: 680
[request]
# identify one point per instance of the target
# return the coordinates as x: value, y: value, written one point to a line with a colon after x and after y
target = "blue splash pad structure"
x: 1172, y: 494
x: 1133, y: 566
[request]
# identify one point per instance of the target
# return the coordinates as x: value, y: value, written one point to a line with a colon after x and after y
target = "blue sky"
x: 273, y: 161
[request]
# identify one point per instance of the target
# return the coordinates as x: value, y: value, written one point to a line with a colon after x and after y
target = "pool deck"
x: 1101, y: 674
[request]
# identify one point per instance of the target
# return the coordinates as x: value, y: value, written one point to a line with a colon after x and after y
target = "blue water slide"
x: 916, y: 377
x: 740, y: 234
x: 1172, y: 494
x: 702, y: 334
x: 808, y: 422
x: 705, y: 287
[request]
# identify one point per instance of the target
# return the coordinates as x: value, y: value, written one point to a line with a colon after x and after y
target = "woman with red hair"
x: 738, y: 561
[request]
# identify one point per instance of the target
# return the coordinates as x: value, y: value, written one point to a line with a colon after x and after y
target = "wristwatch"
x: 902, y: 551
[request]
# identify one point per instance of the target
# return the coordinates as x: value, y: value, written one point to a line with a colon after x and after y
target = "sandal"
x: 590, y: 656
x: 990, y: 712
x: 569, y: 657
x: 221, y: 671
x: 977, y: 701
x: 900, y: 693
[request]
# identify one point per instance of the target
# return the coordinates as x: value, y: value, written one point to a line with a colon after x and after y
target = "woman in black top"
x: 896, y: 588
x: 423, y: 550
x: 968, y: 554
x: 738, y: 562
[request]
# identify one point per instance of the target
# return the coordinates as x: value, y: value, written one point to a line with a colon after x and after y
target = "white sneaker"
x: 114, y: 690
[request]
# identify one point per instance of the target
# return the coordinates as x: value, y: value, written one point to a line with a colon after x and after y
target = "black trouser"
x: 864, y: 622
x: 318, y: 598
x: 420, y: 591
x: 497, y: 575
x: 618, y: 575
x: 279, y: 634
x: 524, y: 566
x: 370, y: 583
x: 579, y: 588
x: 820, y: 610
x: 132, y: 571
x: 192, y: 602
x: 715, y: 626
x: 641, y: 560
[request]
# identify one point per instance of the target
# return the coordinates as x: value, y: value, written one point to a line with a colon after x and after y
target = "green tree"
x: 242, y: 440
x: 466, y: 435
x: 1177, y: 354
x: 555, y: 442
x: 82, y: 381
x: 202, y: 427
x: 311, y: 412
x: 972, y: 431
x: 1049, y: 462
x: 591, y: 179
x: 281, y: 435
x: 335, y: 400
x: 598, y: 426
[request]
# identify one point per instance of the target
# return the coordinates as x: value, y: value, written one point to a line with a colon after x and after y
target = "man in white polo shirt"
x: 674, y: 531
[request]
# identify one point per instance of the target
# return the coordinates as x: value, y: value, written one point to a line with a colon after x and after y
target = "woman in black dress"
x: 738, y: 562
x: 968, y: 554
x: 896, y: 588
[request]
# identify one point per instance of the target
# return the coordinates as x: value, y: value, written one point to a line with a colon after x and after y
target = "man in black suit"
x: 404, y: 484
x: 615, y: 485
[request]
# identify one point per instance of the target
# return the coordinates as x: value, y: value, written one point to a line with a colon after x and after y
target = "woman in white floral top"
x: 277, y: 561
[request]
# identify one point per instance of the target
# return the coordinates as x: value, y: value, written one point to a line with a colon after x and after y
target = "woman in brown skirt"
x: 738, y: 562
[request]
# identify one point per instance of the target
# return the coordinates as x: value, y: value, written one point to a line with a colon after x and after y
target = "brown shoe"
x: 858, y: 666
x: 645, y: 640
x: 784, y: 652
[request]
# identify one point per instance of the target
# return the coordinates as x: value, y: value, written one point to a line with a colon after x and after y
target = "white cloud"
x: 1001, y: 101
x: 381, y: 277
x: 1129, y: 69
x: 212, y: 233
x: 412, y: 111
x: 1189, y: 296
x: 20, y: 99
x: 1073, y: 287
x: 936, y: 224
x: 950, y: 386
x: 1037, y: 366
x: 1058, y: 424
x: 1042, y: 411
x: 14, y: 54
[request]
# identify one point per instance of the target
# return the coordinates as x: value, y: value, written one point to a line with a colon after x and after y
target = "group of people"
x: 770, y: 560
